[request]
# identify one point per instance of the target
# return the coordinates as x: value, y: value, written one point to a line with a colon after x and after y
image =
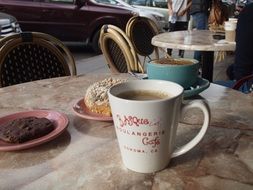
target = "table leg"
x: 207, y: 65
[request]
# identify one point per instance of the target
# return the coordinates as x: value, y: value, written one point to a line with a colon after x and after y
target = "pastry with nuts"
x: 96, y: 98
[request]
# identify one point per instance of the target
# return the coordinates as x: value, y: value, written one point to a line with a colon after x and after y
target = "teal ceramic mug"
x: 182, y: 71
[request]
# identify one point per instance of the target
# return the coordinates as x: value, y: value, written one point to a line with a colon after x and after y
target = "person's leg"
x: 169, y: 51
x: 200, y: 22
x: 227, y: 83
x: 181, y: 26
x: 245, y: 88
x: 197, y: 55
x: 172, y: 27
x: 230, y: 72
x: 181, y: 53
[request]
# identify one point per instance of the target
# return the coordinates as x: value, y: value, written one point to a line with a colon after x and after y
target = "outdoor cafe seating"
x: 118, y: 50
x: 140, y: 31
x: 88, y: 150
x: 30, y: 56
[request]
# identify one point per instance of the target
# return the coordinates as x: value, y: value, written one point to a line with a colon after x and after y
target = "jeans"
x: 200, y: 21
x: 245, y: 88
x: 178, y: 26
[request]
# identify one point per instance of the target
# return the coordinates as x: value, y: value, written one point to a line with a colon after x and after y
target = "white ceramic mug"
x: 146, y: 129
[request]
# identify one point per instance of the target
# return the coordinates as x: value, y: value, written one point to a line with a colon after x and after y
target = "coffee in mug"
x: 182, y: 71
x: 146, y: 115
x: 143, y: 95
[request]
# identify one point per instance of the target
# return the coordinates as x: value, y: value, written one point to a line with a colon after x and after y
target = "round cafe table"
x: 86, y: 155
x: 197, y: 40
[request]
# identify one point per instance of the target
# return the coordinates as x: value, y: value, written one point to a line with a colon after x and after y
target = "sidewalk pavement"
x: 97, y: 64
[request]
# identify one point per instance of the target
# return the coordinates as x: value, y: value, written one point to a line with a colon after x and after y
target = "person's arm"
x: 170, y: 10
x: 184, y: 11
x: 244, y: 44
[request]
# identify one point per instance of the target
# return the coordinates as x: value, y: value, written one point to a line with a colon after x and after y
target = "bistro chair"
x: 30, y: 56
x: 118, y: 50
x: 245, y: 84
x: 141, y: 30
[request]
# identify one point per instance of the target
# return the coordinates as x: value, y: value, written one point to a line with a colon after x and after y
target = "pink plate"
x: 60, y: 121
x: 81, y: 110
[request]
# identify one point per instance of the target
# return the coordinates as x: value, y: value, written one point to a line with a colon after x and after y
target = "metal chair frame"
x: 245, y: 84
x: 131, y: 24
x: 111, y: 32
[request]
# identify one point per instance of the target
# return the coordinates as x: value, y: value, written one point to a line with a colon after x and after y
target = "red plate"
x: 81, y: 110
x: 60, y: 121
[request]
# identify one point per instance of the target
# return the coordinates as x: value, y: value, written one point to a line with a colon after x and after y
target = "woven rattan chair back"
x: 118, y: 50
x: 141, y: 30
x: 33, y: 56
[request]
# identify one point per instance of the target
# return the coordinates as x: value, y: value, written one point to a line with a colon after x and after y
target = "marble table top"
x: 201, y: 40
x: 86, y: 155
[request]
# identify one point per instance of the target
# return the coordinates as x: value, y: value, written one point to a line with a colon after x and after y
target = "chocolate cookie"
x: 25, y: 129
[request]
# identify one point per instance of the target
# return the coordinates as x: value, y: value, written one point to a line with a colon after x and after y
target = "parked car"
x: 159, y: 6
x: 157, y: 17
x: 8, y: 24
x: 68, y: 20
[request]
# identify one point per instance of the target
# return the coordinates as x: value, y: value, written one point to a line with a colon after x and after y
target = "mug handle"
x: 207, y: 115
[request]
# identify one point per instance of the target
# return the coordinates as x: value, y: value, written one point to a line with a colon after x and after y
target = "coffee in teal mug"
x: 182, y: 71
